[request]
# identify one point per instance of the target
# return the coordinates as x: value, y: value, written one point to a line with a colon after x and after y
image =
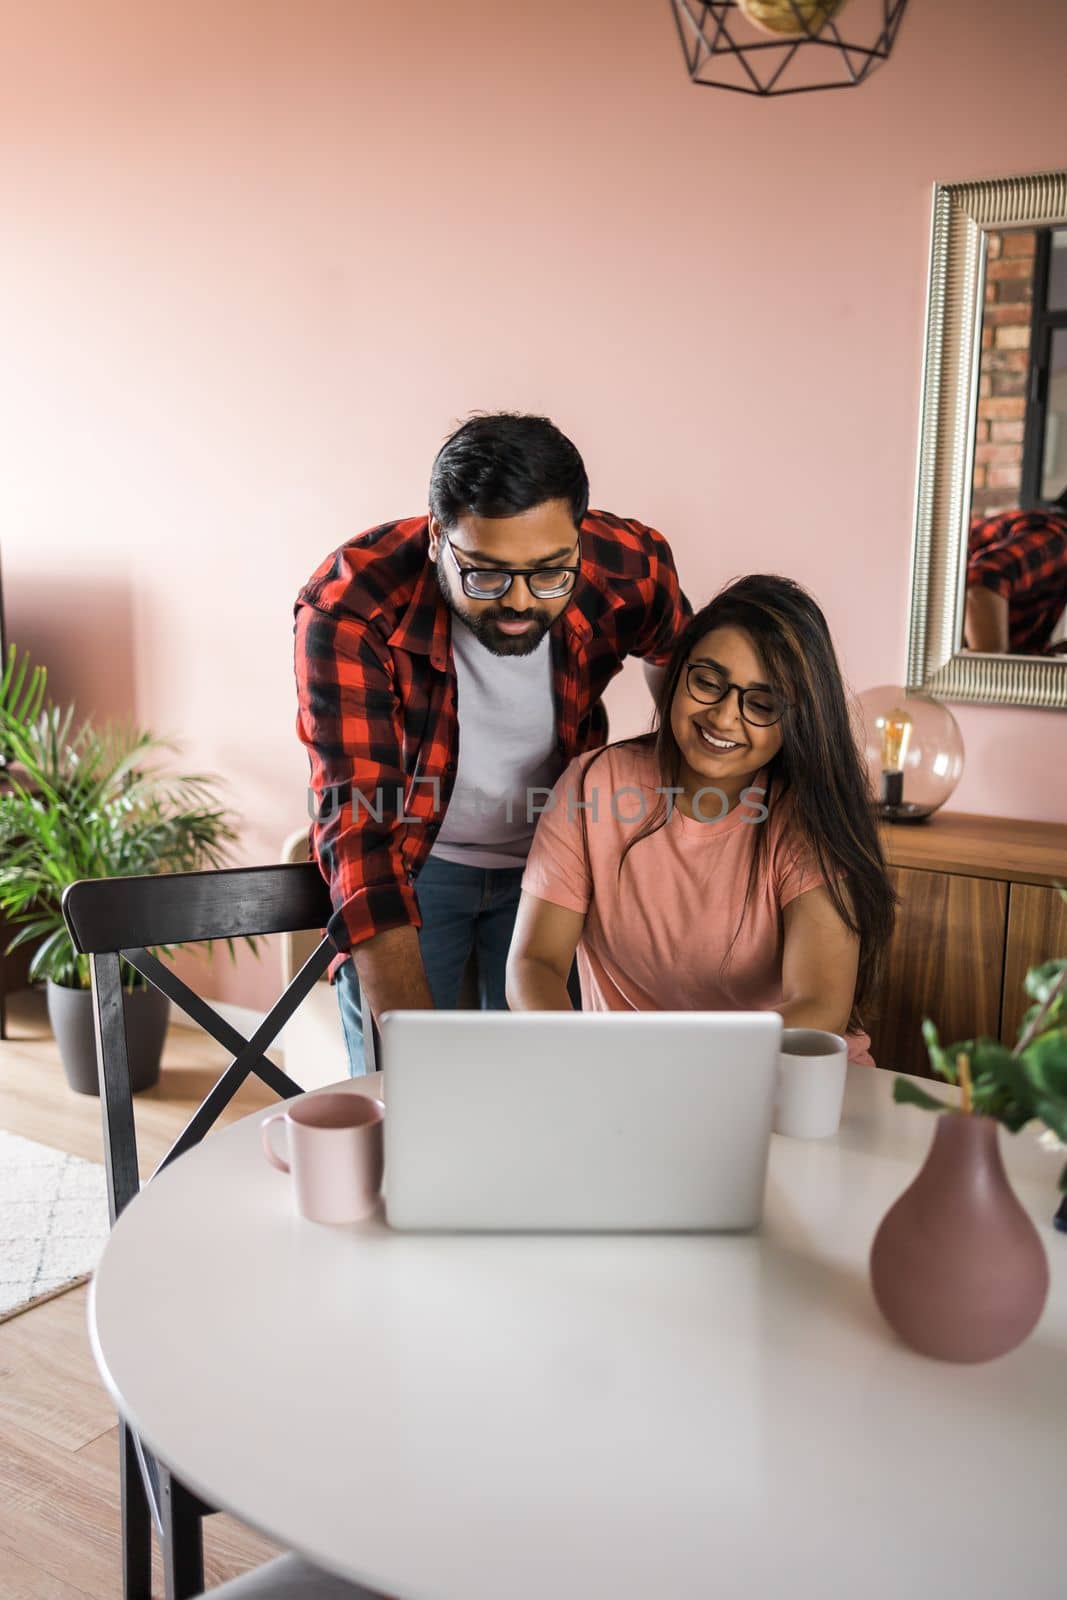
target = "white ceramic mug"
x: 335, y: 1153
x: 811, y: 1083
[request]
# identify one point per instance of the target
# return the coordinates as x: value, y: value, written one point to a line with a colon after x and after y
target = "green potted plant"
x: 82, y: 802
x: 957, y: 1266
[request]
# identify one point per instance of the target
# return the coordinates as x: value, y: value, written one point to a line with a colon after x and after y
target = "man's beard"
x: 483, y: 624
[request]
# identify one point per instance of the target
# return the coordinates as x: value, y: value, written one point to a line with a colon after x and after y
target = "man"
x: 447, y: 668
x: 1016, y: 580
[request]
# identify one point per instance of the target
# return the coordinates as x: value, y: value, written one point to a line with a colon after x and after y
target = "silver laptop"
x: 546, y: 1120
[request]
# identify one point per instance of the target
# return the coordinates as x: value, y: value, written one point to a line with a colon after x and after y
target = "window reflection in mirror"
x: 1016, y: 600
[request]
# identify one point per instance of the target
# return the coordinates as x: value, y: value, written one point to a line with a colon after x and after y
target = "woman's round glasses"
x: 760, y: 707
x: 493, y: 583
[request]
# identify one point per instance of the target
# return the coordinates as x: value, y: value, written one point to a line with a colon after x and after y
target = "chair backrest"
x: 112, y: 917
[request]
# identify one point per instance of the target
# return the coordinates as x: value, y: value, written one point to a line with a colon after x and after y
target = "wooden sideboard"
x: 978, y: 906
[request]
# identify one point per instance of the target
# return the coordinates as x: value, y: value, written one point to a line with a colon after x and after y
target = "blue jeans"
x: 464, y: 910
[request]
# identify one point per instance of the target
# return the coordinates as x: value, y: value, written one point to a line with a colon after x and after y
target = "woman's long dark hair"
x: 818, y: 772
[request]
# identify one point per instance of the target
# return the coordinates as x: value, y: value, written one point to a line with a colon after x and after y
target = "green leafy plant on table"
x: 1027, y: 1083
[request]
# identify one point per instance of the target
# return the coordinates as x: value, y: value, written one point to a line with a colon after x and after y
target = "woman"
x: 728, y: 861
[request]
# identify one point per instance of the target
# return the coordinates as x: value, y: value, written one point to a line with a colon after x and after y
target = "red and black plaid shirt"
x: 1022, y: 555
x: 376, y: 696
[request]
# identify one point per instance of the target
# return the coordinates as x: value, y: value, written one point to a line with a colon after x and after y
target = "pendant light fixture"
x: 769, y: 47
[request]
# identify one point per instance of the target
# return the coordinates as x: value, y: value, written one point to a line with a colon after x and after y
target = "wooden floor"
x: 59, y: 1512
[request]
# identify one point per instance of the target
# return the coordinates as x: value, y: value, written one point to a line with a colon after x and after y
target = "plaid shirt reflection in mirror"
x: 1022, y: 556
x: 376, y: 696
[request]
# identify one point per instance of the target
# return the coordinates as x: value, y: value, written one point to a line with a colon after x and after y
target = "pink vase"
x: 957, y: 1267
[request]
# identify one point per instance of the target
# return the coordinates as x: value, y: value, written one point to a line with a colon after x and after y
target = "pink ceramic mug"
x: 335, y: 1154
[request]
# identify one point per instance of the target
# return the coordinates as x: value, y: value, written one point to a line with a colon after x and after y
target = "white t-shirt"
x: 508, y: 749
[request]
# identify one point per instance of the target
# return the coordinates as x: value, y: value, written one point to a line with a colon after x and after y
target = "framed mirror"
x: 988, y: 616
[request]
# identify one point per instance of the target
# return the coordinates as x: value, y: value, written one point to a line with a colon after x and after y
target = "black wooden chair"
x: 112, y: 917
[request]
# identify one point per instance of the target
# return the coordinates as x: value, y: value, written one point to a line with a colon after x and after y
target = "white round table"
x: 576, y: 1417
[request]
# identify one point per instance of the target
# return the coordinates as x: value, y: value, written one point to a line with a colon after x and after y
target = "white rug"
x: 53, y: 1222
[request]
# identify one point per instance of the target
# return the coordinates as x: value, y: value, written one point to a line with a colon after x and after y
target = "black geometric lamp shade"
x: 770, y: 47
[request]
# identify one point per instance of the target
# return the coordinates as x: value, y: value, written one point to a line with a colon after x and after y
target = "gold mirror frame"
x: 962, y: 211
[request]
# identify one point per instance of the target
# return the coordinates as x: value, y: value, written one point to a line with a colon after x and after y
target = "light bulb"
x: 789, y: 18
x: 896, y: 734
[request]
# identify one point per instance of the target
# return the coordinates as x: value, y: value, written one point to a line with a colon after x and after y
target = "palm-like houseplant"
x: 84, y: 802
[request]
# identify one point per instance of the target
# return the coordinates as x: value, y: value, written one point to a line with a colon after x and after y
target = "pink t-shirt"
x: 656, y: 935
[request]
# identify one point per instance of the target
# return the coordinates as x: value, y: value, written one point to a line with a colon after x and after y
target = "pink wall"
x: 257, y: 256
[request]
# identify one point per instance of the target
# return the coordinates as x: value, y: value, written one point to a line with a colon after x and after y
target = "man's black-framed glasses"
x: 760, y: 707
x: 493, y: 583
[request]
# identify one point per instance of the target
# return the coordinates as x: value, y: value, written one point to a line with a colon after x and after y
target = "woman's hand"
x: 541, y: 955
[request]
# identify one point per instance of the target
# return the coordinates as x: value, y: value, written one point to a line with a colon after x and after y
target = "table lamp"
x: 914, y: 751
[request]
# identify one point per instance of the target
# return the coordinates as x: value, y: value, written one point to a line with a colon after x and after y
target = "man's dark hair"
x: 501, y: 463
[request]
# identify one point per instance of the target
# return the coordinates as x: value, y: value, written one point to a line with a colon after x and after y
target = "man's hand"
x: 391, y: 974
x: 985, y: 621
